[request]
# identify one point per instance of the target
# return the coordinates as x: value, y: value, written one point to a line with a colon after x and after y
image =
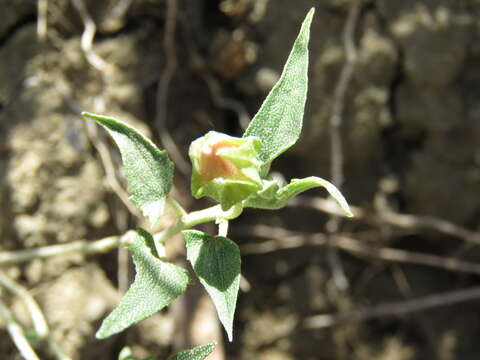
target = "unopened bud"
x: 225, y: 168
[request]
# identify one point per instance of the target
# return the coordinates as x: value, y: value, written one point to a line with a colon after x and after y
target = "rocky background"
x: 410, y: 136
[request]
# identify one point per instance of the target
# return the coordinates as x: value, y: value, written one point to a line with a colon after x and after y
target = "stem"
x: 36, y: 314
x: 84, y: 246
x: 17, y: 334
x: 112, y: 242
x: 223, y: 228
x: 198, y: 217
x: 176, y: 206
x: 38, y: 319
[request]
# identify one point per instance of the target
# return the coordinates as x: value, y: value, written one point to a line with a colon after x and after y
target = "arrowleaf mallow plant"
x: 231, y: 170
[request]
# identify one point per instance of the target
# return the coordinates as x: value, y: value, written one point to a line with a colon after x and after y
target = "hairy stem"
x: 186, y: 221
x: 198, y: 217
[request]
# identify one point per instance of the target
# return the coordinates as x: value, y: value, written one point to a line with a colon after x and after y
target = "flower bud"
x: 225, y: 168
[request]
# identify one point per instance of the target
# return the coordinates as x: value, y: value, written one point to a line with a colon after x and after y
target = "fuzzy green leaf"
x: 197, y: 353
x: 278, y: 123
x: 271, y: 197
x: 148, y: 170
x: 157, y: 283
x: 216, y: 261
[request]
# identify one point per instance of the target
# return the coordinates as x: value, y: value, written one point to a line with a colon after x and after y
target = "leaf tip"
x: 349, y: 212
x: 311, y: 12
x: 229, y: 335
x: 86, y: 114
x: 93, y: 116
x: 100, y: 334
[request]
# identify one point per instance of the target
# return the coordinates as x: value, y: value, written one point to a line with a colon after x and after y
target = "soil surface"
x: 410, y: 136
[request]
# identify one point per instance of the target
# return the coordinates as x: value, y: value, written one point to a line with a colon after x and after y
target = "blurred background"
x: 393, y: 117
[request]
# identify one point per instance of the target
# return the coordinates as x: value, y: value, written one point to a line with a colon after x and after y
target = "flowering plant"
x: 231, y: 170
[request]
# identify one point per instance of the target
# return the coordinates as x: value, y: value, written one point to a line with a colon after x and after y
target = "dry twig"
x: 87, y: 39
x: 17, y: 334
x: 285, y: 239
x: 394, y: 309
x: 83, y: 246
x: 36, y: 314
x: 164, y: 86
x: 224, y: 102
x: 42, y: 22
x: 403, y: 221
x: 335, y: 122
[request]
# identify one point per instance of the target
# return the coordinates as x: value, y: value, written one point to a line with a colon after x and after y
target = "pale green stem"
x: 223, y: 228
x: 38, y: 319
x: 109, y: 243
x: 187, y: 221
x: 17, y: 334
x: 176, y: 206
x: 84, y: 246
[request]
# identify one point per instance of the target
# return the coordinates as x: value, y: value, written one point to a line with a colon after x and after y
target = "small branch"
x: 288, y: 240
x: 104, y: 245
x: 17, y: 334
x: 83, y: 246
x: 393, y: 309
x: 164, y: 86
x: 38, y: 319
x: 87, y: 39
x: 39, y: 322
x: 335, y: 122
x: 179, y: 210
x: 187, y: 221
x: 336, y: 119
x: 224, y: 102
x: 42, y: 22
x: 403, y: 221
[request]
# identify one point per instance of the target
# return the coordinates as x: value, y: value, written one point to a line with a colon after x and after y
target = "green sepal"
x: 278, y: 123
x: 197, y: 353
x: 273, y: 197
x: 148, y: 170
x: 157, y: 283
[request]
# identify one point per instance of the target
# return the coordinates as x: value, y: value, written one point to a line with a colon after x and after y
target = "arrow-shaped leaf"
x: 278, y: 123
x: 216, y: 261
x: 148, y: 170
x: 273, y: 198
x: 197, y: 353
x: 156, y: 285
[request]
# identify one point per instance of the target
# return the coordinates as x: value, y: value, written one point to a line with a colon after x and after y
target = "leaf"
x: 278, y: 123
x: 157, y: 283
x: 148, y: 170
x: 197, y: 353
x: 216, y: 261
x: 126, y: 354
x: 280, y: 198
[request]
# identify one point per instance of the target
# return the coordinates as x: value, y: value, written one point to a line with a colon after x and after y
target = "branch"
x: 336, y: 119
x: 84, y: 246
x: 42, y: 22
x: 335, y: 122
x: 87, y: 39
x: 106, y: 244
x: 288, y: 240
x: 17, y: 334
x: 403, y: 221
x: 396, y: 308
x: 39, y: 322
x: 164, y: 86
